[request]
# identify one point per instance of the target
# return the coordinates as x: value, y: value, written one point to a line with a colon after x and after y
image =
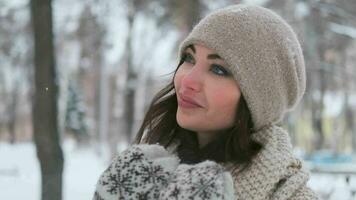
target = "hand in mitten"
x: 205, y: 180
x: 150, y: 172
x: 137, y: 173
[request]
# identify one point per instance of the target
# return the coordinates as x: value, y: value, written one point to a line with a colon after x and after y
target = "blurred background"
x: 76, y: 78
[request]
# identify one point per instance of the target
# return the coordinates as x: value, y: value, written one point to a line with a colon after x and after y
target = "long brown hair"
x: 160, y: 126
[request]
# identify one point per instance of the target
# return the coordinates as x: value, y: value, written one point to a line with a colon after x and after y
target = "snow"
x: 343, y: 30
x: 255, y: 2
x: 82, y: 169
x: 333, y: 187
x: 13, y: 4
x: 162, y: 54
x: 334, y: 102
x: 301, y: 10
x: 19, y: 171
x: 65, y: 15
x: 117, y: 28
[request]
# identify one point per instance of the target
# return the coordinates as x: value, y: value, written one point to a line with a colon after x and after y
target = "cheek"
x: 223, y: 102
x: 224, y: 94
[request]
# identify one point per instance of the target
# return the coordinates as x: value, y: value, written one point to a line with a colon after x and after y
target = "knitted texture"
x: 274, y: 173
x: 262, y: 53
x: 150, y: 172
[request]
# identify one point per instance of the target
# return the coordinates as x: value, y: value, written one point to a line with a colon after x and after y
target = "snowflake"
x: 153, y: 174
x: 118, y: 183
x: 136, y: 157
x: 175, y: 192
x: 143, y: 195
x: 204, y: 189
x: 206, y: 186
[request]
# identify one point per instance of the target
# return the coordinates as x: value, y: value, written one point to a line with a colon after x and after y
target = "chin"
x: 201, y: 128
x: 187, y: 124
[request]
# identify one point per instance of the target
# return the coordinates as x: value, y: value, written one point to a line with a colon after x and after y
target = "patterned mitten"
x: 205, y: 180
x: 150, y: 172
x: 137, y: 173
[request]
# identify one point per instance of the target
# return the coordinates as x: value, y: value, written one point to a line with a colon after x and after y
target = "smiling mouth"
x: 187, y: 103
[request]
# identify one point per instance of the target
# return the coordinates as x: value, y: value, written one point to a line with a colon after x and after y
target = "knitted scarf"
x: 275, y: 173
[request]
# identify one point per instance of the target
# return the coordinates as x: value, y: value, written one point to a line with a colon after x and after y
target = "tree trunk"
x: 103, y: 108
x: 318, y: 120
x: 44, y: 110
x: 317, y: 126
x: 114, y: 119
x: 131, y: 80
x: 188, y: 13
x: 350, y: 125
x: 317, y: 107
x: 12, y: 110
x: 350, y: 121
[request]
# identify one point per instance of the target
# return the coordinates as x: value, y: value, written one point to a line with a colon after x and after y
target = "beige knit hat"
x: 263, y: 54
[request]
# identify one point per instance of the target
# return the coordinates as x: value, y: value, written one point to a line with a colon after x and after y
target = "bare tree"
x: 12, y: 110
x: 187, y: 14
x: 45, y: 125
x: 14, y: 56
x: 316, y: 43
x: 91, y: 35
x: 131, y: 74
x: 349, y: 76
x: 327, y: 55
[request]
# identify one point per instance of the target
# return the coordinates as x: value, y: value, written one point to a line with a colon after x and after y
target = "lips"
x: 187, y: 102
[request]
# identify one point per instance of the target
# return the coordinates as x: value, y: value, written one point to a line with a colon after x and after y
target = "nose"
x: 192, y: 80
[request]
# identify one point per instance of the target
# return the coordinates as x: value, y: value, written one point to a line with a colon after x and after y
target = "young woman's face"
x: 206, y: 91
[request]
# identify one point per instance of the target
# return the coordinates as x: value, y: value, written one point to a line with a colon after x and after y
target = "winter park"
x: 117, y: 100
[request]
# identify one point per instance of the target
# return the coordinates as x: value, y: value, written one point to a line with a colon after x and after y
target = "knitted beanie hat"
x: 262, y: 53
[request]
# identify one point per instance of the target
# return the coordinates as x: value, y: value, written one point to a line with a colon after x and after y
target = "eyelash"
x: 187, y: 57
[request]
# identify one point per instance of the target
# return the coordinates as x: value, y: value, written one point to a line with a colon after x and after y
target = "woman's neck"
x: 205, y: 137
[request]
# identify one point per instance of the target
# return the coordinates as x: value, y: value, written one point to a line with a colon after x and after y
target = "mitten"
x: 137, y: 173
x: 205, y: 180
x: 151, y: 172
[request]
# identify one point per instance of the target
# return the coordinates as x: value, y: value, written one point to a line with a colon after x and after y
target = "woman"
x: 240, y: 70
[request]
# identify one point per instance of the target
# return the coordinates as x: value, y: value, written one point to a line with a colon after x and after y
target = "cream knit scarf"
x: 275, y: 173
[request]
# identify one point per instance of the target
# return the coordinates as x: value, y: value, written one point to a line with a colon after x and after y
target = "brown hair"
x: 160, y: 126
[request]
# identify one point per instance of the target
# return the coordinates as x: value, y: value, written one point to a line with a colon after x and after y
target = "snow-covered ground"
x: 20, y: 175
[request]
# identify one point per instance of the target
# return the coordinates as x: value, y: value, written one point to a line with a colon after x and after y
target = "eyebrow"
x: 214, y: 56
x: 210, y: 56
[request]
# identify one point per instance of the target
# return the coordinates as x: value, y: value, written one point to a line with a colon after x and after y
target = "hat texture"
x: 263, y: 54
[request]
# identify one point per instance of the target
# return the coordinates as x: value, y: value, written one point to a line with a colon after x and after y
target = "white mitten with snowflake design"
x: 205, y: 180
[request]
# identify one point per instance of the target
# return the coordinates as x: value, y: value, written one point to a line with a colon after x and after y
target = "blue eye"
x: 187, y: 57
x: 219, y: 70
